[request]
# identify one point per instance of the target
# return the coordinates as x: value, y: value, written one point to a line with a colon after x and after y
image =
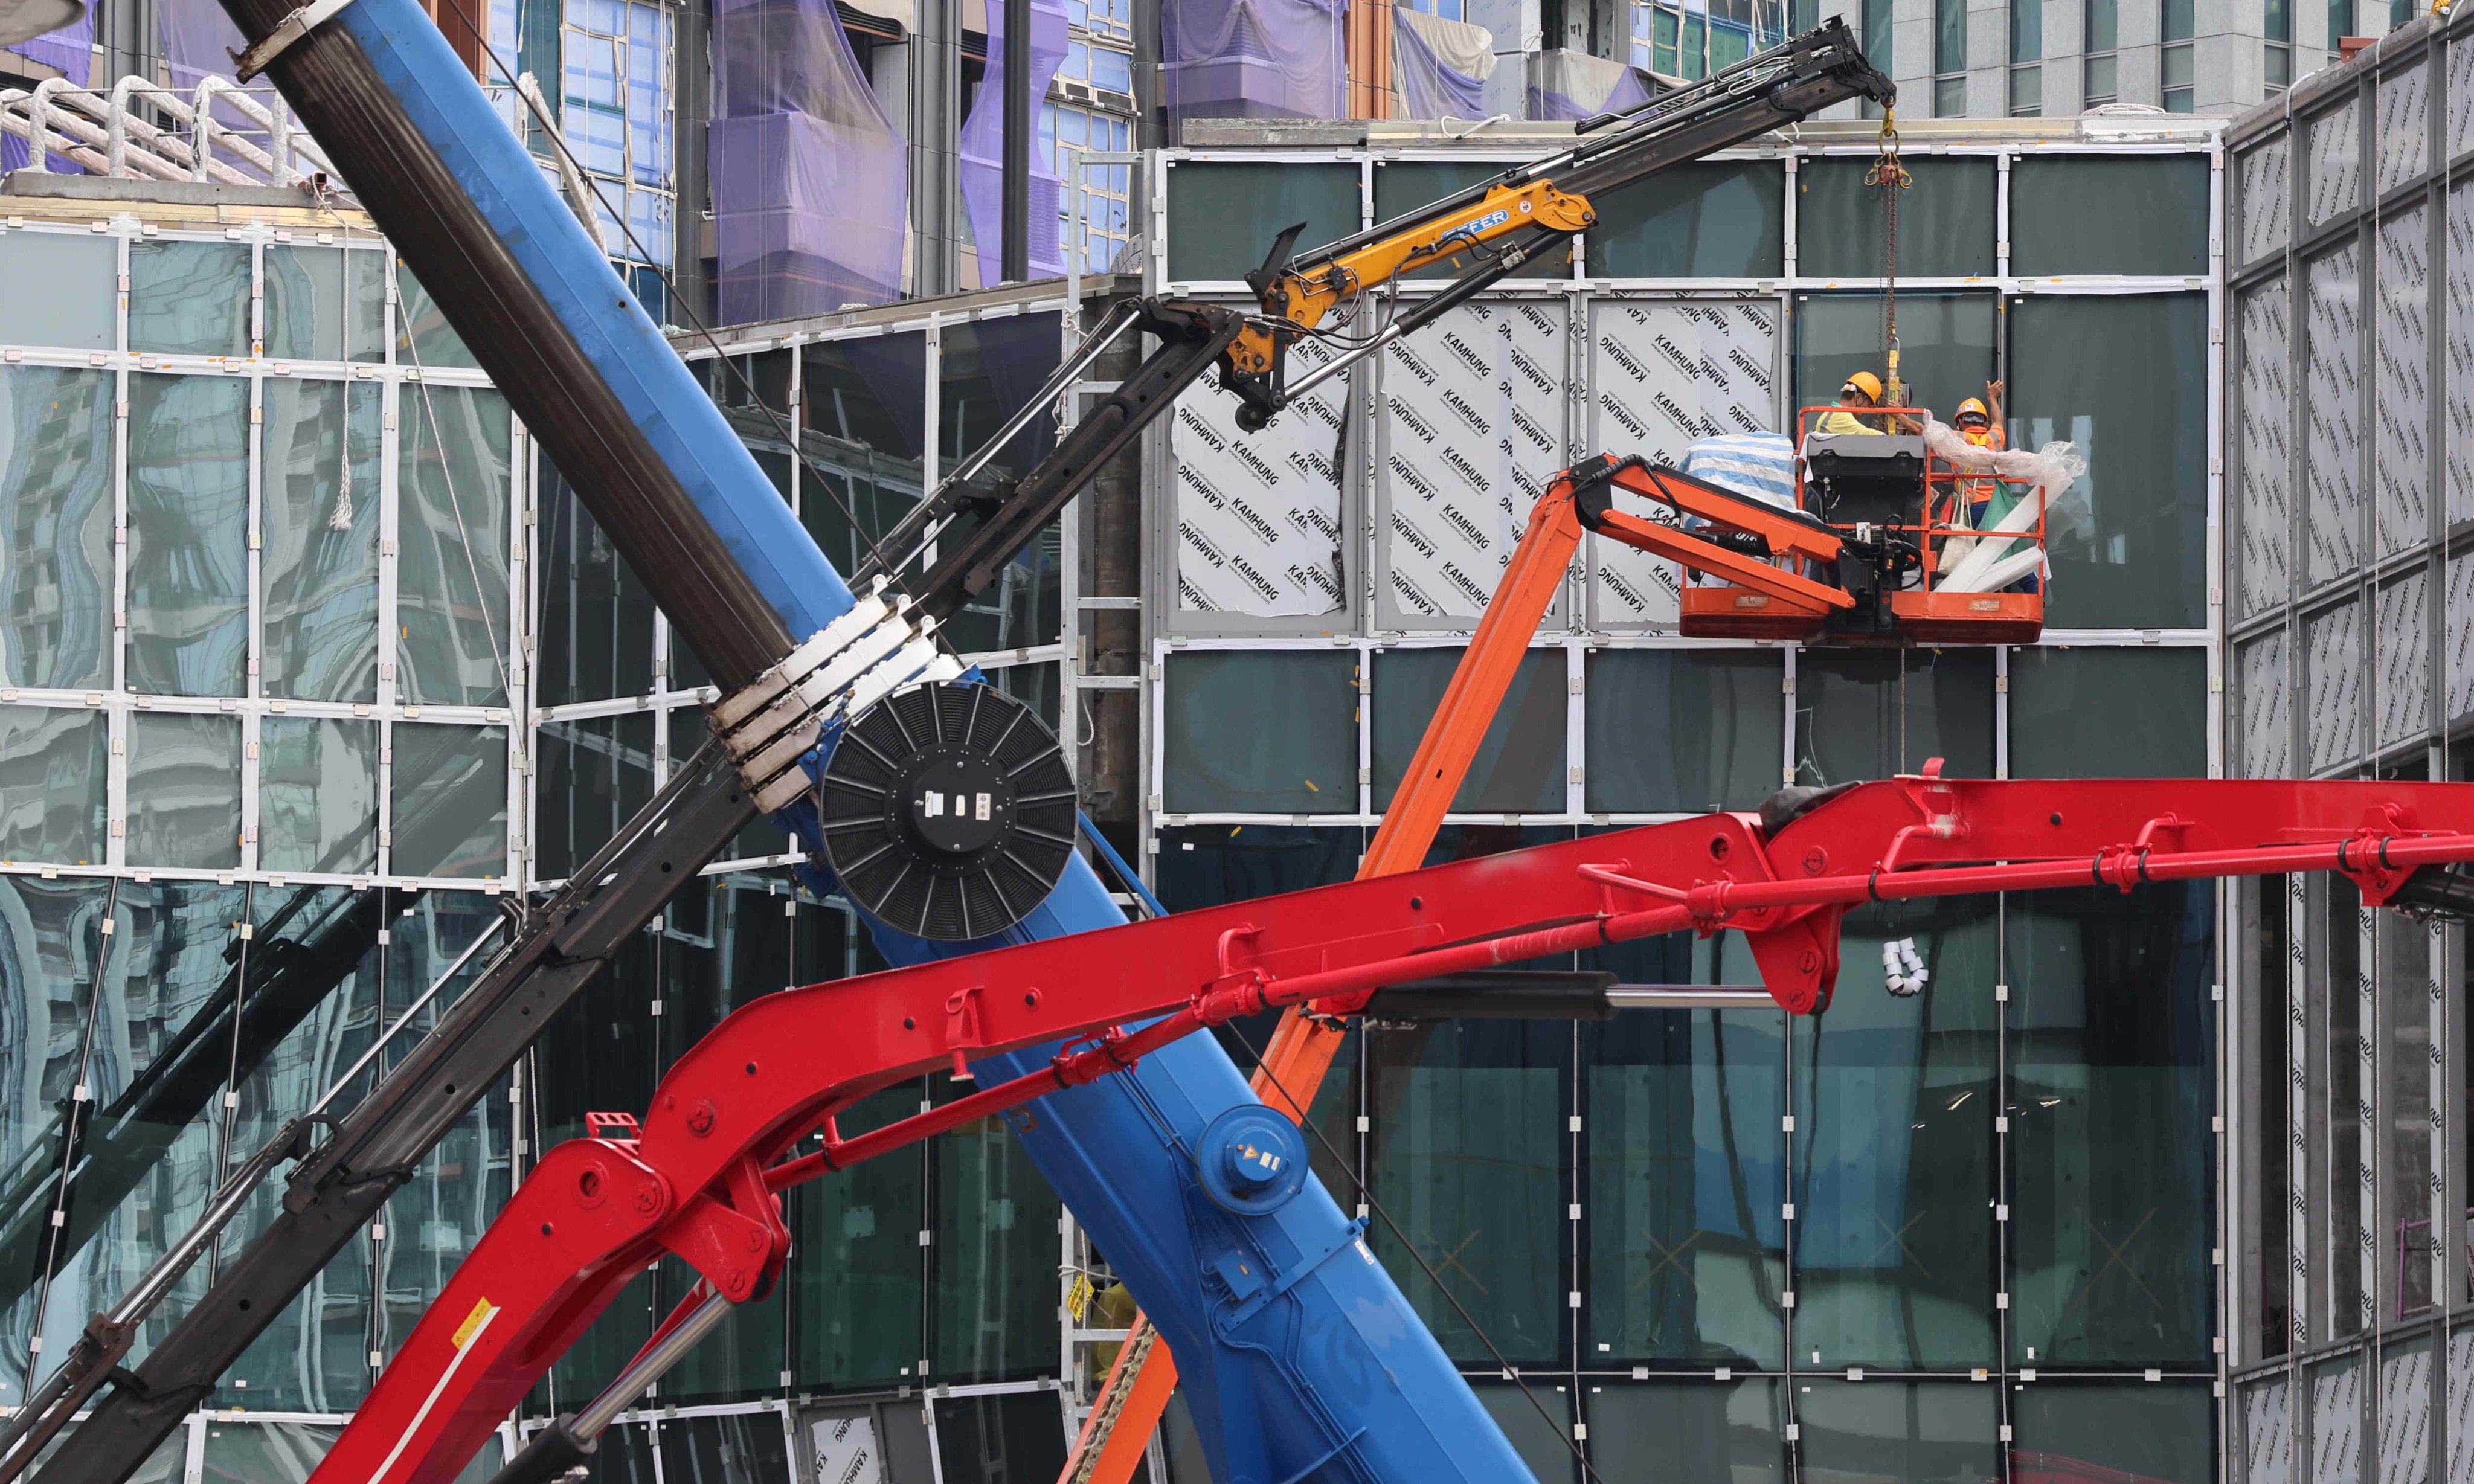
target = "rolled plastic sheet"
x: 1439, y: 67
x: 1567, y: 84
x: 811, y: 180
x: 982, y: 148
x: 1253, y: 58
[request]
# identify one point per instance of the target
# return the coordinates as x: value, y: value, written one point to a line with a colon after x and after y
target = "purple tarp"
x: 198, y: 42
x: 982, y: 148
x: 1253, y: 58
x: 70, y: 49
x: 1565, y: 85
x: 811, y: 182
x: 1439, y: 67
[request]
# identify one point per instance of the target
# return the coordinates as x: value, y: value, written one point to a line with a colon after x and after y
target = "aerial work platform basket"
x: 1929, y: 552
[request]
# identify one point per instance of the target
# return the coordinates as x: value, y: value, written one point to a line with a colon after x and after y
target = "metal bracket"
x: 1298, y: 1273
x: 291, y: 28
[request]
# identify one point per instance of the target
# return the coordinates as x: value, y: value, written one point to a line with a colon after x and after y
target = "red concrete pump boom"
x: 698, y: 1178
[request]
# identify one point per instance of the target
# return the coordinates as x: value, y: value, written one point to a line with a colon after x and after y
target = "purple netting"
x: 198, y: 42
x: 1439, y: 67
x: 982, y: 148
x: 1565, y: 85
x: 70, y: 49
x: 1253, y: 58
x: 811, y: 183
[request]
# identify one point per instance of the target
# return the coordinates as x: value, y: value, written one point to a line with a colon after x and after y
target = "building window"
x: 1449, y: 10
x: 2027, y: 51
x: 1950, y: 58
x: 1876, y: 46
x: 2276, y: 67
x: 2099, y: 83
x: 1691, y: 39
x: 2176, y: 64
x: 1102, y: 67
x: 1106, y: 197
x: 1112, y: 19
x: 618, y: 118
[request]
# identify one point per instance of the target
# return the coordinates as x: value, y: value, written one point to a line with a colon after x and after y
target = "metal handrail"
x: 143, y: 130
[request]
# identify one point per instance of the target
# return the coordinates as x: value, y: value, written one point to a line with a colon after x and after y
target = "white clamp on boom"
x: 249, y: 63
x: 854, y: 662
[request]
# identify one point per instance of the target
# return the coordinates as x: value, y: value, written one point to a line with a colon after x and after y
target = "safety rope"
x: 1889, y: 175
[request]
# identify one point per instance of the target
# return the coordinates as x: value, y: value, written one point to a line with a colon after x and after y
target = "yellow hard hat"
x: 1866, y: 382
x: 1975, y: 405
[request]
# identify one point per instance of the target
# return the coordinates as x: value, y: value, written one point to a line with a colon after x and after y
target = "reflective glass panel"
x: 2074, y: 1429
x: 2113, y: 1084
x: 1721, y: 219
x: 1543, y: 1442
x: 993, y: 1297
x: 1468, y: 1155
x: 744, y: 1448
x: 2108, y: 713
x: 323, y: 302
x: 1223, y: 215
x: 2065, y: 214
x: 188, y: 534
x: 81, y: 298
x: 2126, y: 379
x: 1700, y: 1432
x: 238, y: 1453
x: 189, y: 298
x: 591, y: 777
x: 1945, y: 222
x: 986, y: 371
x: 56, y: 563
x: 1262, y: 733
x: 997, y: 1440
x: 1679, y: 731
x: 1894, y: 1101
x: 1405, y: 185
x: 1944, y: 347
x: 597, y: 618
x: 858, y: 1292
x: 451, y: 800
x: 1898, y: 1432
x: 423, y: 337
x: 1519, y: 768
x: 53, y: 764
x: 319, y: 456
x: 452, y: 580
x: 317, y: 794
x: 1685, y: 1178
x: 1871, y: 713
x: 1207, y: 864
x: 183, y: 791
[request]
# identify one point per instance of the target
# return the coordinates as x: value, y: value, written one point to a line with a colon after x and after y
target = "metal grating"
x: 2265, y: 415
x: 2267, y: 708
x: 2401, y: 465
x: 2335, y: 141
x: 2333, y: 650
x: 2267, y: 1434
x: 1660, y: 375
x: 2336, y: 1423
x: 2461, y: 87
x: 1258, y: 514
x: 2405, y: 1415
x: 2457, y: 635
x: 2402, y: 643
x: 2461, y: 1389
x: 2331, y: 418
x: 2458, y: 446
x: 2405, y: 127
x: 2267, y: 197
x: 1473, y: 427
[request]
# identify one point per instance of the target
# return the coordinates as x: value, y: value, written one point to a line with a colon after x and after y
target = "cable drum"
x: 947, y: 810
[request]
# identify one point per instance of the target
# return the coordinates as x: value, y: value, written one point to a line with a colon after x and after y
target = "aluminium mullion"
x: 118, y: 725
x: 517, y: 675
x: 2217, y: 667
x: 390, y: 522
x: 253, y: 614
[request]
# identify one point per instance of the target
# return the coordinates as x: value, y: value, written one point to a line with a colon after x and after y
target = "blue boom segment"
x: 1302, y: 1359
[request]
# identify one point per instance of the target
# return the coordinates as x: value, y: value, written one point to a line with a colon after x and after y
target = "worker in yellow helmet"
x: 1980, y: 423
x: 1862, y: 390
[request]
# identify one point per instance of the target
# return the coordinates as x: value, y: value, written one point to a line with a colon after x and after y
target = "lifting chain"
x: 1889, y: 175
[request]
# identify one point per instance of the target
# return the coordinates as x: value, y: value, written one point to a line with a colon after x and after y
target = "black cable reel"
x: 947, y: 810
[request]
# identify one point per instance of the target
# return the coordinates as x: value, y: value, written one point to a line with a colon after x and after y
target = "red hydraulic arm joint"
x: 1730, y: 523
x: 699, y: 1180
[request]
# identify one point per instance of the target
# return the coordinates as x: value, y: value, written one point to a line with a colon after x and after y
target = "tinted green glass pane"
x: 992, y: 1301
x: 453, y: 474
x: 593, y: 775
x: 2026, y: 45
x: 1680, y: 731
x: 81, y: 298
x: 2126, y: 379
x: 1207, y: 864
x: 53, y: 764
x: 2102, y: 31
x: 1544, y: 1443
x: 2065, y: 216
x: 1897, y: 1432
x: 55, y: 560
x: 324, y: 303
x: 238, y: 1453
x: 1894, y: 1147
x: 317, y: 794
x: 857, y: 1292
x: 451, y: 800
x: 1519, y: 768
x: 1405, y: 185
x: 1946, y: 220
x: 1950, y: 37
x: 1262, y: 733
x: 1683, y: 1180
x: 2092, y: 713
x: 1871, y: 713
x: 189, y: 298
x: 739, y: 1448
x: 188, y: 534
x: 1000, y: 1439
x: 1945, y: 346
x: 1699, y: 1432
x: 596, y: 617
x: 1224, y: 216
x: 1708, y: 219
x: 423, y: 337
x: 1467, y: 1156
x: 2160, y: 1430
x: 320, y: 567
x: 2112, y: 1089
x: 185, y: 791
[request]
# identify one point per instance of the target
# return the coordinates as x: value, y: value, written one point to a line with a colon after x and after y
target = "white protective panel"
x: 2335, y: 143
x: 2265, y: 419
x: 2401, y: 409
x: 1258, y: 514
x: 2405, y: 1416
x: 2267, y: 708
x: 2461, y: 88
x: 2267, y: 1433
x: 2403, y: 150
x: 1473, y: 427
x: 2332, y: 387
x: 2460, y: 1374
x: 1662, y: 373
x: 2267, y: 197
x: 2402, y: 640
x: 2457, y: 635
x: 2332, y: 728
x: 2336, y: 1423
x: 2457, y: 447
